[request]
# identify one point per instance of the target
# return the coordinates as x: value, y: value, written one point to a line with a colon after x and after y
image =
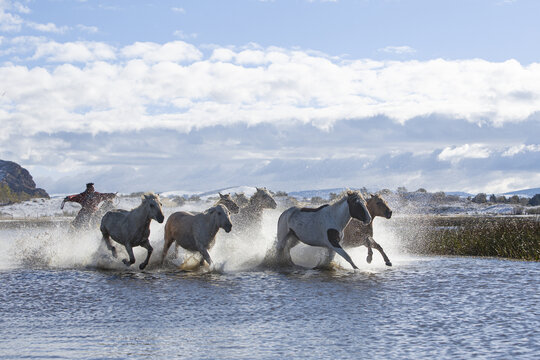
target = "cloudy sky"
x: 289, y: 94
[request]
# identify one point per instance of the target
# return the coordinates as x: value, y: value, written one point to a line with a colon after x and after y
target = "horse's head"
x: 241, y: 199
x: 357, y: 207
x: 263, y: 199
x: 222, y: 217
x: 228, y: 202
x: 377, y: 206
x: 153, y: 206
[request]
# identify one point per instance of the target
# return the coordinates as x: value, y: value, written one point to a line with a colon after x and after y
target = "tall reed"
x: 509, y: 237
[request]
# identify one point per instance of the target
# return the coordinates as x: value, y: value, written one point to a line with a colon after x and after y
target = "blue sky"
x: 297, y: 94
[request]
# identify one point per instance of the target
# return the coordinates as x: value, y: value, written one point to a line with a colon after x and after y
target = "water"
x: 64, y: 298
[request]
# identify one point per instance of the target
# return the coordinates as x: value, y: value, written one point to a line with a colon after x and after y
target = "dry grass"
x: 513, y: 237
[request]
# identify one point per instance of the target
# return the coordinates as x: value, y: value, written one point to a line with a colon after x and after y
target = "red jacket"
x: 89, y: 200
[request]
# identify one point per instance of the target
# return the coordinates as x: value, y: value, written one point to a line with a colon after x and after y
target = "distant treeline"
x: 501, y: 199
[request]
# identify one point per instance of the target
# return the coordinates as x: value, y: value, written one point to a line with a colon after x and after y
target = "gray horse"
x: 358, y: 234
x: 132, y: 228
x: 251, y: 215
x: 196, y: 232
x: 322, y: 227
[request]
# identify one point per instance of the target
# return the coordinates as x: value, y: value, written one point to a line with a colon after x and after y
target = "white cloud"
x: 455, y: 154
x: 182, y: 35
x: 49, y: 27
x: 8, y: 20
x: 176, y: 51
x: 519, y: 149
x: 88, y: 29
x: 74, y: 52
x: 178, y: 10
x: 174, y: 85
x: 398, y: 50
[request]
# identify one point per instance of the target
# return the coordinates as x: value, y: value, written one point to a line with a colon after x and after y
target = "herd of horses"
x: 345, y: 223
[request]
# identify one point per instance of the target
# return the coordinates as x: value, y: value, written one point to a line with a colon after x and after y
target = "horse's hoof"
x: 388, y: 263
x: 368, y: 259
x: 126, y: 262
x: 142, y: 266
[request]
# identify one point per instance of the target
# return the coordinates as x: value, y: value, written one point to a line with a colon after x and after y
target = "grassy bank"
x: 506, y: 236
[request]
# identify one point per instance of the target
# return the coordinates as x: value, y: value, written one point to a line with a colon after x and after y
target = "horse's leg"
x: 286, y: 240
x: 131, y: 256
x: 148, y: 247
x: 206, y: 256
x: 379, y: 247
x: 346, y: 256
x: 325, y: 264
x: 166, y: 245
x: 107, y: 241
x: 367, y: 243
x: 333, y: 238
x: 284, y: 246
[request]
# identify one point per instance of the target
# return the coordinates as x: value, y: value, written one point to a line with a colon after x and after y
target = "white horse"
x: 196, y: 232
x: 321, y: 227
x: 132, y: 228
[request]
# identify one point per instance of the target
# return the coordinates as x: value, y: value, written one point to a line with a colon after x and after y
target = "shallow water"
x: 61, y: 300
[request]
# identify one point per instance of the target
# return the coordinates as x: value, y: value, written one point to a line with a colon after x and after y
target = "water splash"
x: 53, y: 246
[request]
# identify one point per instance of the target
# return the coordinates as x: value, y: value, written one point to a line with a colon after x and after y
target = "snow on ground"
x: 50, y: 208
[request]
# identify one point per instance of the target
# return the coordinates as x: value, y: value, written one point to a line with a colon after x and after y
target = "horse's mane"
x: 307, y: 209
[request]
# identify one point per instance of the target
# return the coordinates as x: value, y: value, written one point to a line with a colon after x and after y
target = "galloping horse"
x: 132, y: 228
x: 196, y: 232
x: 251, y: 214
x: 358, y: 234
x: 322, y: 226
x: 228, y: 202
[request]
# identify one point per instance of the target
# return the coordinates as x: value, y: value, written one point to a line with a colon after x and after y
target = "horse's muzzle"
x: 160, y: 218
x: 228, y: 228
x: 389, y: 214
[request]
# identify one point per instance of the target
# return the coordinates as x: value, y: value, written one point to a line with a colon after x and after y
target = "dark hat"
x: 89, y: 184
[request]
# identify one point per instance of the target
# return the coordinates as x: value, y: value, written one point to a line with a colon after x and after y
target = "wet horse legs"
x: 107, y: 241
x: 149, y: 248
x: 373, y: 243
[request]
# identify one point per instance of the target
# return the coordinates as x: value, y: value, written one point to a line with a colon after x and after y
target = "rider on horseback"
x: 89, y: 200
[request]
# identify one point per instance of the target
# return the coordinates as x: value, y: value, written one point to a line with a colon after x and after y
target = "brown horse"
x: 196, y: 232
x: 228, y: 202
x: 357, y: 234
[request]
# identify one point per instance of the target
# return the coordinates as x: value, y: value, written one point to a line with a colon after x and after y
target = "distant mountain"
x: 524, y: 192
x: 16, y: 184
x: 459, y: 193
x: 308, y: 194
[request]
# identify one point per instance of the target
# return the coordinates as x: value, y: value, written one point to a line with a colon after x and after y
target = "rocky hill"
x: 16, y: 184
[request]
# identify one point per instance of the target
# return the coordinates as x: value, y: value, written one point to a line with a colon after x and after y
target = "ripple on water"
x: 422, y: 307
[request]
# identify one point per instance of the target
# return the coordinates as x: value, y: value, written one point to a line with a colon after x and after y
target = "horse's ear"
x: 349, y: 192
